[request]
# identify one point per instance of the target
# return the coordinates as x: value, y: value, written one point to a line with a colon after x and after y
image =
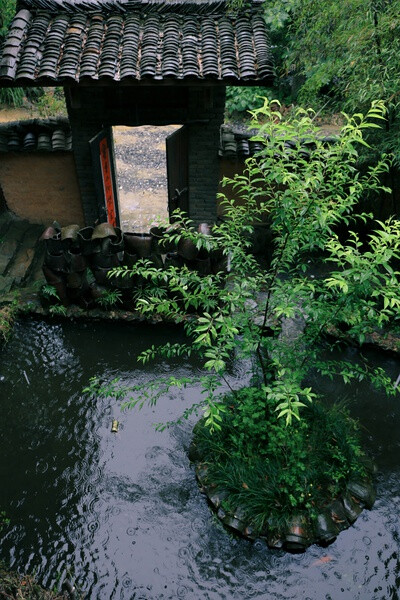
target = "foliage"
x: 356, y: 51
x: 270, y: 470
x: 23, y: 587
x: 110, y: 298
x: 239, y: 100
x: 3, y: 519
x: 305, y: 189
x: 12, y: 96
x: 340, y: 58
x: 7, y: 12
x: 8, y: 312
x: 49, y: 293
x: 58, y: 310
x: 51, y: 103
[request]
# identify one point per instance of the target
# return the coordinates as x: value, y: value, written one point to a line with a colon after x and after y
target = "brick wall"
x: 205, y: 104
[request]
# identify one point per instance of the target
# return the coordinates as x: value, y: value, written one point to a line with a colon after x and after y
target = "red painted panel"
x: 106, y: 173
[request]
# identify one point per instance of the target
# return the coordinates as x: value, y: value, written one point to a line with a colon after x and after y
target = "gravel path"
x: 141, y: 175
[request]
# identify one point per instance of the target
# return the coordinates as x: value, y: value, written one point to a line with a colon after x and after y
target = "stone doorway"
x: 141, y: 171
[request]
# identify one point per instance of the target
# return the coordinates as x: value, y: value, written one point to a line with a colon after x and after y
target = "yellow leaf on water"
x: 322, y: 561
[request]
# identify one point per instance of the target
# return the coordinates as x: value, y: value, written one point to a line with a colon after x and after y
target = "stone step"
x: 7, y: 251
x: 21, y: 265
x: 27, y: 263
x: 17, y: 250
x: 6, y: 284
x: 10, y: 242
x: 30, y: 254
x: 6, y: 218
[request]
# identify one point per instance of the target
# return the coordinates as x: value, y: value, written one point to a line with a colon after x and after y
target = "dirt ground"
x: 17, y: 114
x: 141, y: 175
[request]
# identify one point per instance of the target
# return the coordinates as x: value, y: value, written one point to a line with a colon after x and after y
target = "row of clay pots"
x: 300, y: 532
x: 86, y: 241
x: 63, y: 274
x: 106, y: 239
x: 71, y: 250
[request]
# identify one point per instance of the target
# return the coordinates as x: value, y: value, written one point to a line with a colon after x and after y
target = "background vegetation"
x: 339, y: 58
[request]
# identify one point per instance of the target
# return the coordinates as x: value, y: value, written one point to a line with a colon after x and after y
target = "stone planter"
x: 138, y: 243
x: 187, y: 249
x: 301, y: 530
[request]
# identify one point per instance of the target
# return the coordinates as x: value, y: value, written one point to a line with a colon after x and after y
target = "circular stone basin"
x: 301, y: 531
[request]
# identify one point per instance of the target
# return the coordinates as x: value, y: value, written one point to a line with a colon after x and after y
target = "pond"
x: 121, y: 514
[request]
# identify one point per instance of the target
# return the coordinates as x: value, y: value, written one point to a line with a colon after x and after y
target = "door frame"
x: 104, y: 173
x: 177, y: 156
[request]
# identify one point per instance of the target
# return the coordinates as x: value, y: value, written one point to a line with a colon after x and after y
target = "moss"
x: 8, y: 312
x: 23, y: 587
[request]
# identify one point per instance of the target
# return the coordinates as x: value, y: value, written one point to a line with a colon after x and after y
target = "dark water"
x: 121, y: 514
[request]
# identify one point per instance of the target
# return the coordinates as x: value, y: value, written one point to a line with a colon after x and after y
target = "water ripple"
x: 121, y: 514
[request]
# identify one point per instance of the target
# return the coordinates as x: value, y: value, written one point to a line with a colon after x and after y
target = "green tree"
x: 274, y: 317
x: 304, y: 189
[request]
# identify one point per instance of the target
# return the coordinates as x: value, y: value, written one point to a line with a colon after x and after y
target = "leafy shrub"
x: 110, y: 298
x: 270, y: 470
x: 23, y: 587
x: 12, y: 97
x: 240, y: 100
x: 8, y: 313
x: 7, y: 11
x: 52, y: 103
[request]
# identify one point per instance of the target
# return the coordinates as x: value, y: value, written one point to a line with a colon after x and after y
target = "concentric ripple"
x: 120, y: 514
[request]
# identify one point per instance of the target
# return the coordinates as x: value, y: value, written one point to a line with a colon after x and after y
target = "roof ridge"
x: 184, y: 6
x: 35, y: 123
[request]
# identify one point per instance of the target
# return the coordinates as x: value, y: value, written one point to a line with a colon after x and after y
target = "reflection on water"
x: 121, y: 513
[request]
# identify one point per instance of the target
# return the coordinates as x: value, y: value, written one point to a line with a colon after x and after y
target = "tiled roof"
x: 236, y: 142
x: 31, y: 135
x: 61, y: 42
